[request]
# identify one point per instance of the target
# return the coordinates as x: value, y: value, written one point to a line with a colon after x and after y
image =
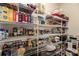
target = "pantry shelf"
x: 35, y: 50
x: 9, y: 5
x: 50, y: 53
x: 46, y: 35
x: 16, y: 23
x: 41, y: 26
x: 25, y: 8
x: 60, y: 18
x: 72, y: 50
x: 58, y: 51
x: 23, y: 38
x: 56, y: 43
x: 57, y: 18
x: 50, y: 26
x: 24, y: 26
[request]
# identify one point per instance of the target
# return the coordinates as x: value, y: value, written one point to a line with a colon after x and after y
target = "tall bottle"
x: 0, y: 34
x: 30, y: 18
x: 6, y: 33
x: 29, y: 43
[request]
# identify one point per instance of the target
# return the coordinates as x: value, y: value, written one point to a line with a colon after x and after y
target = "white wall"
x: 72, y: 10
x: 49, y: 7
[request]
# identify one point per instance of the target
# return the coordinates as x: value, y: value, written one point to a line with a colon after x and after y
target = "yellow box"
x: 10, y: 15
x: 4, y: 14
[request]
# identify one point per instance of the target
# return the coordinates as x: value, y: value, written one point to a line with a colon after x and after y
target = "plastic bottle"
x: 0, y: 34
x: 17, y: 16
x: 15, y: 31
x: 6, y: 33
x: 20, y: 17
x: 29, y: 18
x: 21, y: 51
x: 3, y: 33
x: 24, y: 18
x: 30, y: 43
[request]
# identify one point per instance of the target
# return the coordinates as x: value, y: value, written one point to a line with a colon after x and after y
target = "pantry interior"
x: 38, y: 29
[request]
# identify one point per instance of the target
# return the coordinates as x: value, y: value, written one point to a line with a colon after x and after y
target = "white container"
x: 57, y: 39
x: 70, y: 45
x: 3, y: 35
x: 6, y: 34
x: 17, y: 16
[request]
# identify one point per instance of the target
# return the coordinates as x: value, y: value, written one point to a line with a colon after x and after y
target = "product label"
x: 10, y: 15
x: 5, y: 13
x: 14, y: 15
